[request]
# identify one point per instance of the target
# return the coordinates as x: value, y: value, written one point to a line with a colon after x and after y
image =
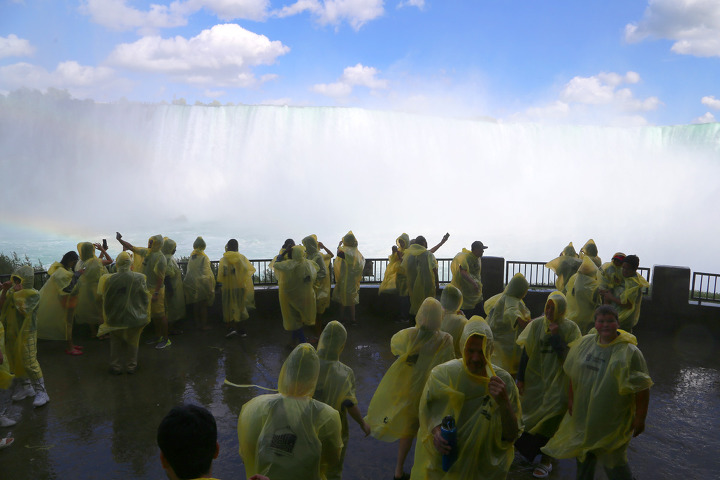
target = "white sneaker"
x: 25, y: 390
x: 6, y: 421
x: 41, y: 396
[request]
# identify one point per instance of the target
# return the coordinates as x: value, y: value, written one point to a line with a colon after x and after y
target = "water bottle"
x: 449, y: 434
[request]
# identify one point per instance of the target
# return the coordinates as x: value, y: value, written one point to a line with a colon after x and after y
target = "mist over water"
x: 77, y: 170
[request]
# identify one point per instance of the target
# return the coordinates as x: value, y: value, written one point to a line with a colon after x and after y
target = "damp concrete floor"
x: 100, y: 426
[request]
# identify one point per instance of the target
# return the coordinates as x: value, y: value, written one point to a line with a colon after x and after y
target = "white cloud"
x: 118, y: 15
x: 221, y: 56
x: 334, y: 12
x: 359, y: 75
x: 694, y: 26
x: 711, y: 102
x: 412, y: 3
x: 707, y: 118
x: 13, y: 46
x: 602, y: 89
x: 80, y: 80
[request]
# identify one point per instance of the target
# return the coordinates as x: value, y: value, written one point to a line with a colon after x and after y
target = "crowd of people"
x: 473, y: 382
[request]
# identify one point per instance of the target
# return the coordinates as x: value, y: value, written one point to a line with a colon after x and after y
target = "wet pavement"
x: 100, y: 426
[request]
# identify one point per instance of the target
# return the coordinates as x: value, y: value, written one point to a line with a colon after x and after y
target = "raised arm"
x: 442, y: 242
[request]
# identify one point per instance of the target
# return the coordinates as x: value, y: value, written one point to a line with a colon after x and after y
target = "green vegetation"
x: 8, y: 263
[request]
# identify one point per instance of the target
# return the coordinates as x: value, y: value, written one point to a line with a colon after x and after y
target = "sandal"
x: 542, y: 470
x: 6, y: 442
x: 74, y: 351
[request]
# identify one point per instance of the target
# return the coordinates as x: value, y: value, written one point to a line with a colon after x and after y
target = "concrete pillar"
x: 492, y: 276
x: 670, y: 291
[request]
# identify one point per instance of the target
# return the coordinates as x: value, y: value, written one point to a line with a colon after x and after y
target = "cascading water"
x: 264, y: 173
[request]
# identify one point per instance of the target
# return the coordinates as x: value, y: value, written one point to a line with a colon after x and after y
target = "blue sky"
x: 618, y: 62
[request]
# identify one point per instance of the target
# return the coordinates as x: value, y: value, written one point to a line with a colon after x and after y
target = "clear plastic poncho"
x: 154, y: 264
x: 610, y: 275
x: 465, y: 260
x: 546, y: 386
x: 453, y: 390
x: 235, y: 272
x: 605, y: 379
x: 590, y: 251
x: 393, y: 410
x: 583, y: 296
x: 453, y: 322
x: 564, y: 266
x: 420, y: 265
x: 53, y: 307
x: 125, y: 297
x: 199, y: 282
x: 88, y: 309
x: 503, y: 311
x: 289, y: 435
x: 348, y: 272
x: 19, y: 317
x: 296, y: 279
x: 336, y: 382
x: 174, y: 294
x: 323, y: 281
x: 632, y: 293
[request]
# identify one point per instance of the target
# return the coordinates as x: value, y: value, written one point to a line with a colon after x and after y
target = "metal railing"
x: 705, y: 287
x: 536, y: 273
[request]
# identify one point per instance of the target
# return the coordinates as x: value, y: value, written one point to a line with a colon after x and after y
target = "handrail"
x: 701, y: 293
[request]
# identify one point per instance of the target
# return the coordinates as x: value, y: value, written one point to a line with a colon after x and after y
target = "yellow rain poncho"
x: 174, y: 294
x: 605, y: 379
x: 88, y: 310
x: 125, y: 297
x: 610, y: 275
x: 503, y: 311
x: 199, y: 283
x: 322, y: 280
x: 6, y: 377
x: 289, y: 435
x: 154, y: 264
x: 564, y: 266
x: 336, y: 383
x: 420, y: 266
x: 393, y: 410
x: 348, y: 273
x: 453, y: 390
x: 465, y: 260
x: 583, y: 296
x: 546, y: 386
x: 590, y: 250
x: 54, y: 303
x: 296, y: 277
x: 452, y: 322
x: 395, y: 280
x: 632, y: 293
x: 19, y: 317
x: 235, y: 272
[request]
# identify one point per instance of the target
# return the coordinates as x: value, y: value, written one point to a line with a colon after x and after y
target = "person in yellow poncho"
x: 454, y: 320
x: 18, y: 313
x: 609, y: 396
x: 484, y: 403
x: 126, y: 310
x: 235, y: 273
x: 289, y: 435
x: 348, y: 267
x: 393, y: 411
x: 583, y: 295
x: 421, y: 269
x: 541, y: 381
x: 336, y: 387
x: 6, y: 379
x: 57, y: 303
x: 466, y: 276
x: 564, y: 266
x: 323, y: 280
x: 87, y: 311
x: 508, y: 316
x: 395, y: 281
x: 628, y: 296
x: 590, y: 251
x: 610, y: 275
x: 174, y: 292
x: 296, y: 278
x: 154, y: 267
x: 199, y: 283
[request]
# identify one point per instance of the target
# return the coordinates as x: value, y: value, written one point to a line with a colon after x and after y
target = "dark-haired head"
x: 606, y: 310
x: 420, y: 240
x: 70, y: 259
x: 187, y: 438
x: 232, y: 245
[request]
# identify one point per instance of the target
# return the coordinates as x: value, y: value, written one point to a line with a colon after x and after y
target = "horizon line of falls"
x: 329, y: 170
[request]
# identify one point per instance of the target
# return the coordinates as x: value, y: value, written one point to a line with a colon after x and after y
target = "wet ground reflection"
x: 102, y: 426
